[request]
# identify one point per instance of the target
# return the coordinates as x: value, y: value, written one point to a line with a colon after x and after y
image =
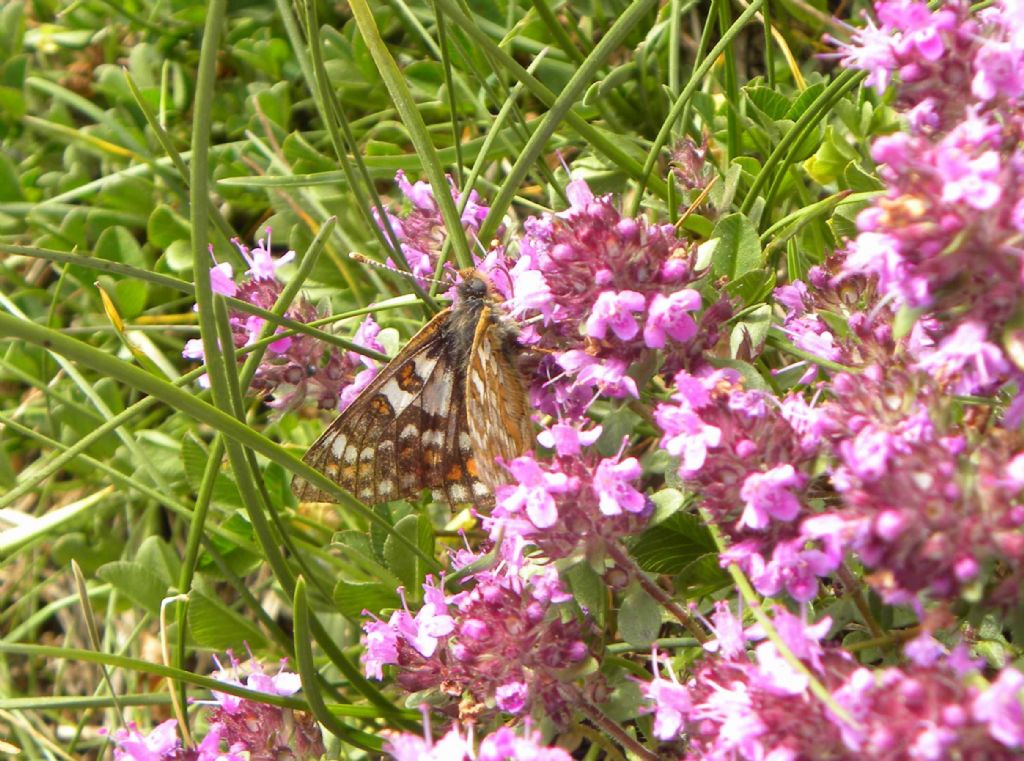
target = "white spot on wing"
x: 396, y: 395
x: 465, y: 442
x: 338, y: 446
x: 479, y: 490
x: 385, y: 487
x: 436, y: 397
x: 351, y: 455
x: 366, y: 455
x: 366, y: 493
x: 409, y: 432
x: 459, y: 493
x: 433, y: 439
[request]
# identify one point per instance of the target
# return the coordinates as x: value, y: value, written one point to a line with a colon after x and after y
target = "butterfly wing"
x: 370, y: 449
x: 497, y: 406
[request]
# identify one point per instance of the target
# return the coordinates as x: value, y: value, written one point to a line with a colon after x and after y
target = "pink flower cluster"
x: 504, y: 744
x: 751, y: 459
x: 946, y: 237
x: 239, y: 729
x: 746, y: 700
x: 294, y: 368
x: 420, y: 229
x: 574, y: 501
x: 500, y: 643
x: 608, y: 290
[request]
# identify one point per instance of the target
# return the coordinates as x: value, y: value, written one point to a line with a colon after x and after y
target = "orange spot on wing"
x: 471, y: 467
x: 408, y: 380
x: 454, y: 473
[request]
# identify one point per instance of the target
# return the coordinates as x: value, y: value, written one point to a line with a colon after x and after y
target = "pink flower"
x: 380, y: 648
x: 161, y: 742
x: 408, y: 747
x: 567, y: 440
x: 767, y: 495
x: 615, y: 311
x: 533, y: 491
x: 669, y: 315
x: 671, y: 702
x: 686, y: 436
x: 966, y: 358
x: 511, y: 697
x: 611, y: 484
x: 222, y: 279
x: 1000, y: 707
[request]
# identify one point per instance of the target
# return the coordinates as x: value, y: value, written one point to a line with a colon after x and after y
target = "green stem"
x: 819, y: 690
x: 559, y: 110
x: 684, y: 97
x: 401, y: 96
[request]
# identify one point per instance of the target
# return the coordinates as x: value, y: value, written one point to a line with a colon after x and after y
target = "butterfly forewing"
x: 360, y: 450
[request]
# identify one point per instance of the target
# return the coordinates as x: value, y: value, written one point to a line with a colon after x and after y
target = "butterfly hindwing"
x: 496, y: 401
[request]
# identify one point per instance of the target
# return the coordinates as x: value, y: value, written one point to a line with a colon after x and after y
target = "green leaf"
x: 588, y: 589
x: 673, y: 544
x: 131, y: 297
x: 666, y: 503
x: 179, y: 256
x: 401, y: 562
x: 137, y: 582
x: 214, y: 625
x: 752, y: 287
x: 165, y: 226
x: 749, y: 334
x: 859, y: 180
x: 10, y: 187
x: 769, y: 101
x: 804, y: 100
x: 639, y: 617
x: 738, y: 249
x: 158, y: 556
x: 117, y: 244
x: 351, y: 598
x: 702, y: 577
x: 163, y: 452
x: 194, y: 456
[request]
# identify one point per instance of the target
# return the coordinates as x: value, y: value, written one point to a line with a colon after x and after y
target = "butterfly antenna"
x: 363, y: 259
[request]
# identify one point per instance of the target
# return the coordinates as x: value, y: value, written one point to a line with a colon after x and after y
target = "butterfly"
x: 438, y: 415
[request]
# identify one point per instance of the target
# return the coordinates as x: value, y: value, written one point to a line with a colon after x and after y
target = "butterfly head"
x: 475, y: 287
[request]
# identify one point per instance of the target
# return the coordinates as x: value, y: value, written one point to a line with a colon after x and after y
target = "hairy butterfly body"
x: 437, y: 415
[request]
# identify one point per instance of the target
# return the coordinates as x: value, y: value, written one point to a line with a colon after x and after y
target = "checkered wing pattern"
x: 377, y: 448
x: 497, y: 406
x: 436, y: 416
